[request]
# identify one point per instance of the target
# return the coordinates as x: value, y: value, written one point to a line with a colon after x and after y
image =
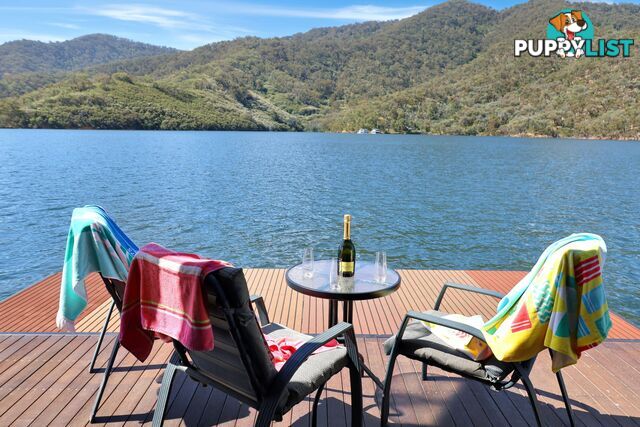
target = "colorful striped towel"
x: 95, y: 243
x: 164, y: 299
x: 560, y: 304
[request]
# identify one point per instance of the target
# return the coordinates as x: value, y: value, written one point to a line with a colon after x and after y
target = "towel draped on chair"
x: 163, y: 298
x: 95, y: 243
x: 560, y: 304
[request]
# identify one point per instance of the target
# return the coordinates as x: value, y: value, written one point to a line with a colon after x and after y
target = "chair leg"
x: 565, y: 397
x: 314, y: 411
x: 424, y: 372
x: 386, y: 391
x: 531, y: 392
x: 105, y: 378
x: 265, y: 416
x: 165, y: 391
x: 356, y: 396
x: 104, y: 330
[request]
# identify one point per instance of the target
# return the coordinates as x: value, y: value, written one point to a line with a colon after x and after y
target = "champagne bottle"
x: 347, y: 252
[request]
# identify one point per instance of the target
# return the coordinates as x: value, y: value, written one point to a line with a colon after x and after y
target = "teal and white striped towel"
x: 95, y: 243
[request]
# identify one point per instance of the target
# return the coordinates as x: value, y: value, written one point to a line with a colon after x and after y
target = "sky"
x: 186, y: 24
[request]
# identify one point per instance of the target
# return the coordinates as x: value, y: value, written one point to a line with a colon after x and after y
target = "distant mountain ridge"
x: 22, y: 56
x: 447, y: 70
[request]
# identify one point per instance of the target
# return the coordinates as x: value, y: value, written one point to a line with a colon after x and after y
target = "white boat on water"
x: 362, y: 131
x: 375, y: 131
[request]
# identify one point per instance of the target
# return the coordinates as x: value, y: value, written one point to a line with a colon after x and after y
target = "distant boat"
x: 375, y: 131
x: 362, y: 131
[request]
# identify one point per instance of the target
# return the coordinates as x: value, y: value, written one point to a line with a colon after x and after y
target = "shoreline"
x: 519, y: 135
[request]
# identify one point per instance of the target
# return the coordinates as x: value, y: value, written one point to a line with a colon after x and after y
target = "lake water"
x: 257, y: 199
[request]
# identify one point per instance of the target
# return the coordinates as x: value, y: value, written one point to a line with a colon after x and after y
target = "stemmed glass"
x: 381, y: 267
x: 307, y: 262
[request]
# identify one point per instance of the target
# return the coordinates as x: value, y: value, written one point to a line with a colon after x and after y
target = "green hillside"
x: 27, y: 65
x: 441, y: 71
x: 22, y: 56
x: 499, y: 94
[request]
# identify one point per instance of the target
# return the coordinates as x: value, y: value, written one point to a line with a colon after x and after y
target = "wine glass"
x: 307, y: 262
x: 381, y: 267
x: 334, y: 284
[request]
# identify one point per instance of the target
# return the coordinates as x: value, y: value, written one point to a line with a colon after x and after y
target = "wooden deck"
x: 45, y: 380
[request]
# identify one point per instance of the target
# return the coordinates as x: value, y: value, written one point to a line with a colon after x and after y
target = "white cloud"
x: 169, y: 19
x: 161, y: 17
x: 190, y: 29
x: 32, y: 9
x: 347, y: 13
x: 65, y: 25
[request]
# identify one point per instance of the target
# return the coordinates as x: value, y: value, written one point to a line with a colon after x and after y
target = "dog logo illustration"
x: 570, y: 34
x: 570, y: 25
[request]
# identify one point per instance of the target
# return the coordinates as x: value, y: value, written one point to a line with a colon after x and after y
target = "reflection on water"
x: 258, y: 199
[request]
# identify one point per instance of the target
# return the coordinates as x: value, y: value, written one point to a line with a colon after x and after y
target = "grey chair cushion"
x: 314, y: 372
x: 420, y: 344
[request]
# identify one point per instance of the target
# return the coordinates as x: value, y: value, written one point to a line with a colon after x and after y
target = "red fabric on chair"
x: 164, y: 298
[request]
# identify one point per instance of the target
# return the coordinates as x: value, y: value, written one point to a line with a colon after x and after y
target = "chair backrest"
x: 240, y: 363
x: 116, y: 290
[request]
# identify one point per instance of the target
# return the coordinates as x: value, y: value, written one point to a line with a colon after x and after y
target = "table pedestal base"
x: 347, y: 312
x: 347, y: 316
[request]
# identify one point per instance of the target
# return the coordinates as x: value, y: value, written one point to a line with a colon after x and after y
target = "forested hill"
x: 31, y: 56
x: 498, y: 94
x: 27, y: 65
x: 449, y: 69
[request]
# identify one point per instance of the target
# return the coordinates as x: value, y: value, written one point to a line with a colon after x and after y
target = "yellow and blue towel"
x: 560, y: 304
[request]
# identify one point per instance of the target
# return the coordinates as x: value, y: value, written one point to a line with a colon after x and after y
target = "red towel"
x: 282, y: 349
x: 164, y: 299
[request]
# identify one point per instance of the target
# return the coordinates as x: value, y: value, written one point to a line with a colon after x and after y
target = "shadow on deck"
x: 45, y: 379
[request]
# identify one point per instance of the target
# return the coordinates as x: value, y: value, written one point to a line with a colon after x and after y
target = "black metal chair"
x: 416, y: 342
x: 116, y: 290
x: 240, y: 363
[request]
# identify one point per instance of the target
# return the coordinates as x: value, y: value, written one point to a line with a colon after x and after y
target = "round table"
x: 361, y: 286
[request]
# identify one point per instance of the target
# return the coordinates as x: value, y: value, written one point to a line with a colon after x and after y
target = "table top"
x: 359, y: 287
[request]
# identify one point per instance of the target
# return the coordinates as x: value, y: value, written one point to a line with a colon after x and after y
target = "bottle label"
x: 346, y: 267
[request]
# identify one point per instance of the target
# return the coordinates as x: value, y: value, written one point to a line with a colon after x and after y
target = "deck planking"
x: 45, y: 380
x: 302, y: 312
x: 57, y: 389
x: 382, y: 316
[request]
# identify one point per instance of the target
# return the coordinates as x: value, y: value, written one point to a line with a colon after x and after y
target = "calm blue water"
x: 257, y: 199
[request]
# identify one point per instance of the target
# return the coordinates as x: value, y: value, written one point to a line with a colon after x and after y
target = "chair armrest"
x: 466, y: 288
x: 426, y: 317
x: 263, y: 315
x: 303, y: 353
